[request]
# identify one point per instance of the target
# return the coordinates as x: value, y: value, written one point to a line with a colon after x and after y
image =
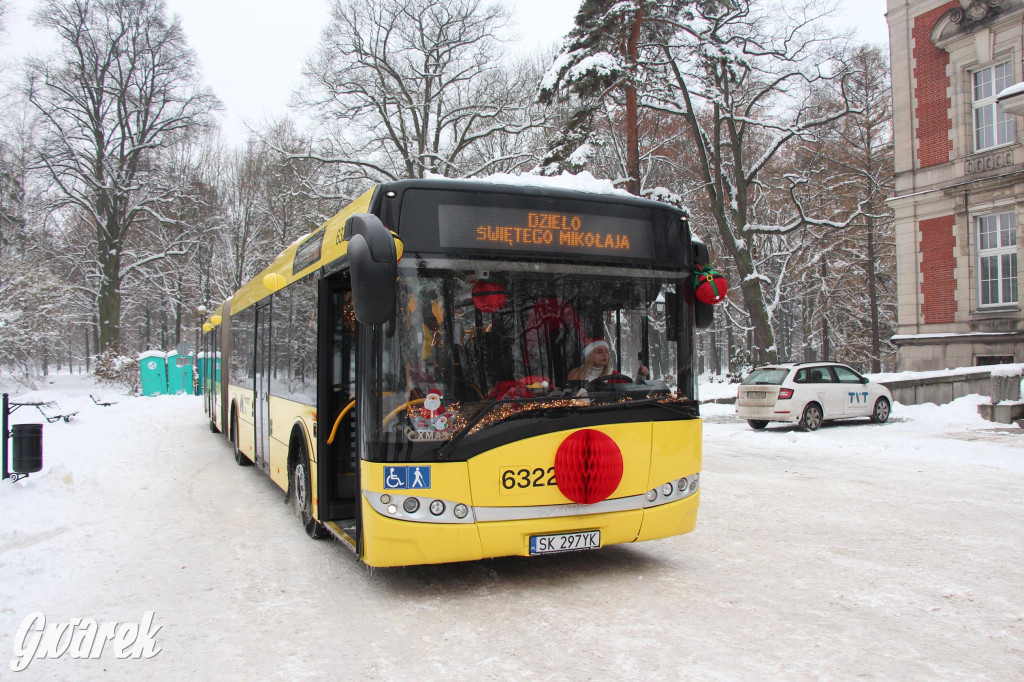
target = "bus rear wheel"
x: 302, y: 494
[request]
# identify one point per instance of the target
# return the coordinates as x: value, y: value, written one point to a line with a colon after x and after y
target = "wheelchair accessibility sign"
x: 408, y: 478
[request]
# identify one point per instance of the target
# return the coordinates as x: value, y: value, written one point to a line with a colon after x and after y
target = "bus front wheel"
x: 302, y: 494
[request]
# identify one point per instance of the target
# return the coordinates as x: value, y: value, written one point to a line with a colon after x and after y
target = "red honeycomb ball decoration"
x: 588, y: 466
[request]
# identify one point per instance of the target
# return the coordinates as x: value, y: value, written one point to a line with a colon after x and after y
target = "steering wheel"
x: 600, y: 381
x: 393, y: 413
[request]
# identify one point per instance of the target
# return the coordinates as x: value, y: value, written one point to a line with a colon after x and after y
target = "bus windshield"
x: 478, y: 343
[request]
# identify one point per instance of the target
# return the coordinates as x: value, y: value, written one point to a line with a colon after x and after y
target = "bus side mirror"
x: 703, y: 313
x: 373, y: 260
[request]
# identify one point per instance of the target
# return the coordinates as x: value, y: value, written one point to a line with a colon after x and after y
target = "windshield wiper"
x: 446, y: 449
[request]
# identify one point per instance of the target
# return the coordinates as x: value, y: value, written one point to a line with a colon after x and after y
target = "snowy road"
x: 883, y: 552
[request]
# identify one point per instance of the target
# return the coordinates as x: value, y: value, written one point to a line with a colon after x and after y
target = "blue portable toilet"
x: 208, y: 367
x: 179, y: 373
x: 153, y: 372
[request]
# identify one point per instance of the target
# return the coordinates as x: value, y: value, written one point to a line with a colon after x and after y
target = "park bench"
x: 49, y: 409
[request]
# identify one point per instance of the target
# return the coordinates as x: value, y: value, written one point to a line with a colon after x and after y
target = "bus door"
x: 262, y: 387
x: 338, y: 481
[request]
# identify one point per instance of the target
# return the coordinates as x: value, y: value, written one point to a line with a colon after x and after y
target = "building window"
x: 992, y: 127
x: 997, y: 258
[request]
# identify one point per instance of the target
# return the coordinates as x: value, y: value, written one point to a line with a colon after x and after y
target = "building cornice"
x: 953, y: 337
x: 971, y: 16
x: 987, y: 182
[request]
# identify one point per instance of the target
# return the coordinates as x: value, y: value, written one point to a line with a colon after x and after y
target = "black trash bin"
x: 27, y: 454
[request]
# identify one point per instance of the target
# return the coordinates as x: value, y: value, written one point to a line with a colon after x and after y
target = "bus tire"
x: 812, y: 417
x: 240, y: 459
x: 302, y: 495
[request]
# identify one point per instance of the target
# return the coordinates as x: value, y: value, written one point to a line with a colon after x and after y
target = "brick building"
x: 959, y: 182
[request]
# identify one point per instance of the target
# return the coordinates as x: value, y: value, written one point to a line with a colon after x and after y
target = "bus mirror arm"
x: 373, y: 260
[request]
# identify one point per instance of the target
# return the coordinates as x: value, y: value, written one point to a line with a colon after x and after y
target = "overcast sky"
x: 254, y: 82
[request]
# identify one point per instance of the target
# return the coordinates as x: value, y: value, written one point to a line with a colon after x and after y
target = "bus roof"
x: 580, y: 187
x: 330, y: 245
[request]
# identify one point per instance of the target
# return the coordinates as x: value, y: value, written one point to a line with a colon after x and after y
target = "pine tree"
x: 599, y: 61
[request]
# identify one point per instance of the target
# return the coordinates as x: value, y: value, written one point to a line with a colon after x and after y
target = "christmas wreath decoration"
x: 709, y: 285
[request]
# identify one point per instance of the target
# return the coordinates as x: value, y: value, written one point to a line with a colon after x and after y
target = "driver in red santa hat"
x: 597, y: 358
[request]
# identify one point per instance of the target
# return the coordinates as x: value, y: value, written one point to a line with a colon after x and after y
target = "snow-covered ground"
x: 889, y: 551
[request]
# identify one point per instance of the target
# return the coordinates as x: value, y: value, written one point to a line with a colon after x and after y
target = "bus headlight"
x: 437, y: 507
x: 461, y: 511
x: 672, y: 491
x: 410, y: 505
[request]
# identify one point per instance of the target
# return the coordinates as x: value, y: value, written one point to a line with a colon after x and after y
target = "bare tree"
x: 290, y: 185
x: 33, y: 306
x: 742, y: 76
x: 122, y: 85
x: 853, y: 162
x: 403, y: 88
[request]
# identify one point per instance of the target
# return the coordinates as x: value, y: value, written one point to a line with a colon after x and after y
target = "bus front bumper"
x: 394, y: 542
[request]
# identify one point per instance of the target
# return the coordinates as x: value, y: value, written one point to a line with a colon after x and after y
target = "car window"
x: 846, y: 375
x: 773, y: 376
x: 814, y: 375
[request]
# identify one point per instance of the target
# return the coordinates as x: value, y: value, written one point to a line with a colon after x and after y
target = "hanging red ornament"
x: 588, y: 466
x: 709, y: 285
x: 489, y: 296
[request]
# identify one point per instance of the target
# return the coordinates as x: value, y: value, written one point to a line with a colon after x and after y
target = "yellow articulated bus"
x: 452, y: 370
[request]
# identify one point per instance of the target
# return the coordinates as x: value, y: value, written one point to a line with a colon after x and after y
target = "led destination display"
x: 524, y: 230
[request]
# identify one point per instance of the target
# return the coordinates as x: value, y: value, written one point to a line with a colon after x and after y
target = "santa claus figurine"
x: 431, y: 405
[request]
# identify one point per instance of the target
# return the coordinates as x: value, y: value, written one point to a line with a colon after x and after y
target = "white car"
x: 809, y: 393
